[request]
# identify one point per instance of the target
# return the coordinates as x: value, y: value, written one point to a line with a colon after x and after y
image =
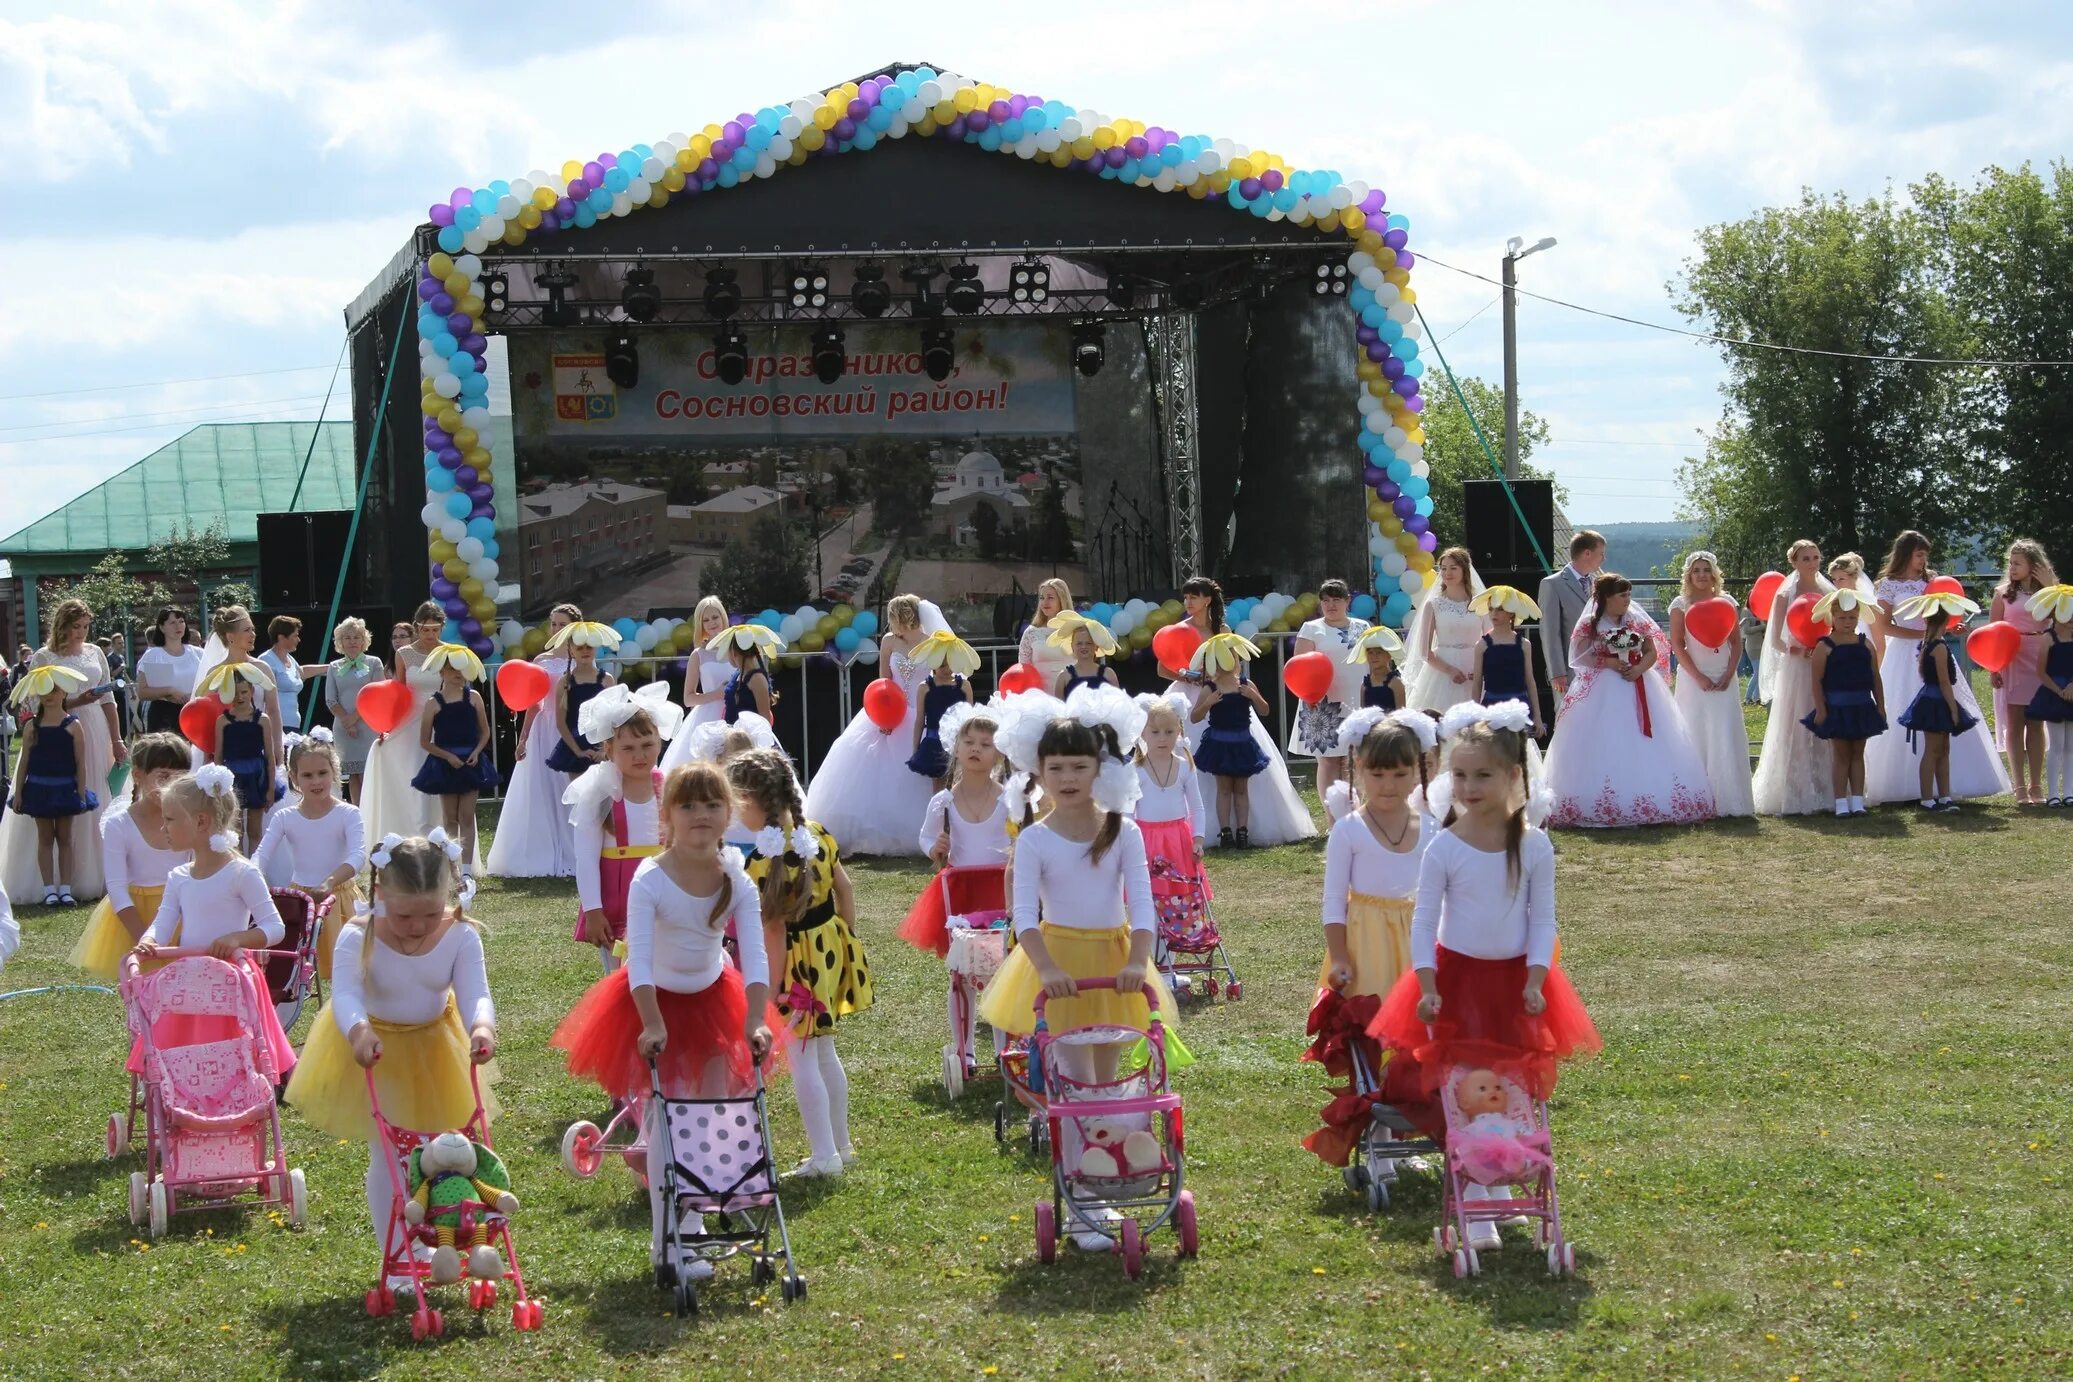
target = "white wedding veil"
x: 1778, y: 641
x: 1413, y: 659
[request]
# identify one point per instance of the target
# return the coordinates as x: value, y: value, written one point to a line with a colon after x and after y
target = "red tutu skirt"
x: 972, y: 889
x: 602, y: 1033
x: 1482, y: 1022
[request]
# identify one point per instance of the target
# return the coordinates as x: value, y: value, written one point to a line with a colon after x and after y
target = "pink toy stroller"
x: 401, y: 1239
x: 1190, y: 951
x: 1507, y: 1150
x: 717, y: 1165
x: 291, y: 976
x: 976, y: 898
x: 1127, y: 1197
x: 585, y: 1145
x: 212, y: 1135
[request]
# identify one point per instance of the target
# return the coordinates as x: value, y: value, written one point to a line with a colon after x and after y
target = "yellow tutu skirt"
x: 1010, y: 1001
x: 106, y: 940
x: 1378, y: 941
x: 421, y: 1078
x: 334, y: 921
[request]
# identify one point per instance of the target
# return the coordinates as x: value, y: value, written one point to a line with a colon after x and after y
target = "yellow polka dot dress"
x: 825, y: 974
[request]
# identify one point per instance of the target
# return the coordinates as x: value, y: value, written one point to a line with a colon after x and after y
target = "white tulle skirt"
x: 1432, y: 687
x: 533, y: 837
x: 864, y: 793
x: 1604, y: 771
x: 18, y: 871
x: 1892, y: 769
x: 679, y: 750
x: 388, y: 803
x: 1278, y: 814
x: 1792, y: 772
x: 1718, y: 731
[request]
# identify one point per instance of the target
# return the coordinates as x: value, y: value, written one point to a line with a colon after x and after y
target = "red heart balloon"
x: 1799, y: 617
x: 1021, y: 677
x: 1309, y: 676
x: 885, y: 704
x: 1175, y: 644
x: 523, y: 685
x: 1764, y: 594
x: 1947, y: 585
x: 198, y: 720
x: 1712, y: 621
x: 385, y: 705
x: 1993, y: 646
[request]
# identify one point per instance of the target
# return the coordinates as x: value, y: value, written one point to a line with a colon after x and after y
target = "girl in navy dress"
x: 244, y: 746
x: 1381, y: 687
x: 2052, y: 703
x: 1089, y: 643
x: 50, y: 778
x: 1849, y: 696
x: 454, y: 732
x: 583, y: 640
x: 1936, y: 713
x: 748, y: 648
x: 1228, y: 752
x: 950, y: 661
x: 1504, y: 666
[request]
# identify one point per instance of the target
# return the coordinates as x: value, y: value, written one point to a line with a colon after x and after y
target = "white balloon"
x: 780, y: 149
x: 1393, y: 563
x: 446, y: 385
x: 1190, y: 174
x: 522, y: 188
x: 1410, y: 582
x: 510, y: 631
x: 1248, y: 629
x: 790, y: 627
x: 1414, y: 329
x: 807, y: 614
x: 484, y: 570
x: 639, y: 190
x: 914, y: 109
x: 621, y: 204
x: 666, y: 152
x: 1049, y: 139
x: 1411, y: 451
x: 931, y: 93
x: 475, y: 241
x: 468, y: 549
x: 1377, y: 422
x: 492, y: 228
x: 433, y: 513
x: 452, y: 529
x: 1401, y: 311
x: 1367, y: 403
x: 1340, y: 197
x: 1358, y: 260
x: 507, y: 206
x: 1386, y: 293
x: 867, y: 651
x: 652, y: 168
x: 469, y: 265
x: 646, y: 638
x: 1422, y: 469
x: 1209, y: 160
x: 765, y: 164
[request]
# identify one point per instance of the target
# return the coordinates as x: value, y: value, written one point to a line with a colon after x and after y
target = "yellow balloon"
x: 1367, y: 369
x: 455, y: 569
x: 543, y: 198
x: 701, y: 145
x: 1353, y: 218
x: 463, y: 438
x: 456, y: 283
x: 476, y: 455
x: 441, y: 550
x: 843, y: 614
x: 813, y: 640
x: 1390, y: 524
x: 514, y: 234
x: 1104, y: 137
x: 440, y: 264
x: 534, y: 643
x: 484, y: 609
x: 824, y: 118
x: 570, y: 171
x: 1241, y: 168
x: 673, y: 180
x: 965, y: 100
x: 449, y: 417
x: 812, y: 137
x: 1426, y: 572
x: 1377, y: 510
x: 1141, y: 636
x: 1406, y: 542
x: 1409, y: 295
x: 529, y: 216
x: 471, y: 589
x: 471, y: 303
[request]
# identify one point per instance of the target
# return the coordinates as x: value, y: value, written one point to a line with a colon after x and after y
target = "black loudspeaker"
x: 1502, y: 549
x: 299, y: 559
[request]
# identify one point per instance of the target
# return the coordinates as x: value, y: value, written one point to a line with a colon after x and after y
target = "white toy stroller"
x: 974, y: 900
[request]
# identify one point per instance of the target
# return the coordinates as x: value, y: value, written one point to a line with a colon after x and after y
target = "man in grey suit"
x: 1562, y: 599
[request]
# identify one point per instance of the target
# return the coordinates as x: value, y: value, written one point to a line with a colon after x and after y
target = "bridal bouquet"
x: 1624, y: 645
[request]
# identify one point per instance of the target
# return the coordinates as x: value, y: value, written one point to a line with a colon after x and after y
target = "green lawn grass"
x: 1827, y: 1137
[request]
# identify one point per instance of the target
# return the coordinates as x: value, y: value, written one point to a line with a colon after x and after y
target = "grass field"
x: 1828, y: 1137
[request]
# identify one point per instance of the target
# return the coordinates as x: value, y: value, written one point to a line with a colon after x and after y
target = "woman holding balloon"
x: 862, y: 792
x: 534, y: 837
x: 1703, y: 627
x: 1793, y: 773
x: 2028, y: 571
x: 390, y: 805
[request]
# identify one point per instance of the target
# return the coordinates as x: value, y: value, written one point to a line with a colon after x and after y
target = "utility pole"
x: 1513, y: 253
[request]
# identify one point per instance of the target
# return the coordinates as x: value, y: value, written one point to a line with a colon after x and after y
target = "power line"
x: 153, y: 426
x: 162, y: 383
x: 1469, y: 318
x: 1749, y: 344
x: 160, y: 413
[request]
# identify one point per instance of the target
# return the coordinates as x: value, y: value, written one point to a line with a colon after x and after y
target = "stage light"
x: 870, y: 296
x: 1087, y: 353
x: 1029, y: 281
x: 938, y: 351
x: 639, y: 295
x: 622, y: 361
x: 722, y: 294
x: 926, y: 302
x: 965, y: 295
x: 730, y: 354
x: 557, y: 281
x: 1122, y: 290
x: 1331, y: 278
x: 808, y: 288
x: 828, y: 358
x: 496, y: 292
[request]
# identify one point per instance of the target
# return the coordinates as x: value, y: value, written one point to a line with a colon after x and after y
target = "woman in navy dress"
x: 50, y: 787
x: 1849, y: 697
x: 1503, y: 668
x: 1089, y: 643
x: 244, y: 746
x: 748, y: 649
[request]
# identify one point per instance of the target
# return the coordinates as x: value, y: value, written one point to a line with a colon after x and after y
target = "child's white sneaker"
x: 816, y: 1166
x: 848, y: 1153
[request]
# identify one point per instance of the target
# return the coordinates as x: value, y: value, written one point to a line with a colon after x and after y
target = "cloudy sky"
x: 195, y: 191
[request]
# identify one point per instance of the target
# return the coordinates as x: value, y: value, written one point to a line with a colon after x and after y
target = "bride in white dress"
x: 1708, y: 694
x: 389, y: 804
x: 706, y: 675
x: 1892, y: 766
x: 1620, y: 755
x: 1054, y: 597
x: 1792, y: 772
x: 863, y: 793
x: 1278, y: 814
x: 1441, y: 650
x: 533, y: 837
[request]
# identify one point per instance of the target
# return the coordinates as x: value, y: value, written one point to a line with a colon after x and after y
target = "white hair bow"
x: 1359, y: 725
x: 447, y: 845
x: 612, y: 707
x: 964, y: 713
x: 215, y: 779
x: 1421, y: 724
x: 1111, y: 706
x: 319, y: 735
x: 380, y: 855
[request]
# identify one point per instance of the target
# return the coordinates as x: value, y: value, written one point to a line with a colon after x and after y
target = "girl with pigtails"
x: 409, y: 1001
x: 818, y: 970
x: 615, y: 806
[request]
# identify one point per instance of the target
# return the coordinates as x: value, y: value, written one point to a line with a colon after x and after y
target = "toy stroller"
x: 291, y: 976
x: 717, y: 1163
x: 1389, y: 1141
x: 212, y: 1134
x: 1498, y: 1137
x: 1190, y: 951
x: 480, y: 1223
x: 1127, y: 1136
x: 584, y: 1145
x: 975, y: 897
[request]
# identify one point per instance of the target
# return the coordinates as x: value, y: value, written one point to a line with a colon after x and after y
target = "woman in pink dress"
x: 2028, y: 571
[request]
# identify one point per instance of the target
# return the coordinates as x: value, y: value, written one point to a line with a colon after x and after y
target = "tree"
x: 900, y: 482
x: 117, y: 598
x: 1455, y: 455
x: 184, y: 556
x: 1845, y: 450
x: 1727, y: 493
x: 1051, y: 534
x: 986, y: 525
x: 233, y: 593
x: 2007, y: 247
x: 767, y: 569
x: 688, y: 486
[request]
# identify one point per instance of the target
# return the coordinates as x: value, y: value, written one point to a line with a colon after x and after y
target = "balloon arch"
x: 460, y: 511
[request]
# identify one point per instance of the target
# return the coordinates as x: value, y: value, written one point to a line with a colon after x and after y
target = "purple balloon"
x: 1389, y: 492
x: 459, y: 322
x: 483, y: 509
x: 846, y: 128
x: 442, y: 588
x: 1271, y: 179
x: 456, y: 607
x: 1136, y: 146
x: 428, y: 288
x: 998, y: 111
x: 1377, y: 351
x: 979, y: 121
x: 550, y: 221
x: 1017, y: 106
x: 594, y: 174
x: 475, y: 344
x: 1415, y: 402
x: 462, y: 196
x: 954, y: 130
x: 1417, y: 523
x: 478, y: 491
x: 608, y: 160
x: 1374, y: 201
x: 733, y: 129
x: 471, y: 628
x: 576, y: 190
x: 1392, y: 369
x: 1365, y: 334
x: 450, y: 457
x: 1406, y: 508
x: 437, y: 437
x: 1406, y: 260
x: 442, y: 215
x: 1397, y: 239
x: 857, y: 108
x: 1249, y: 188
x: 1373, y: 475
x: 1405, y: 387
x: 1114, y: 156
x: 442, y: 302
x: 1428, y: 541
x: 464, y: 477
x: 481, y: 647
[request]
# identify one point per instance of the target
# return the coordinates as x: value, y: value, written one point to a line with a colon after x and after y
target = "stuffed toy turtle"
x: 445, y: 1171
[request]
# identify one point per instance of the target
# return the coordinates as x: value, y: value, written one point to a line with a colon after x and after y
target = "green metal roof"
x: 226, y: 473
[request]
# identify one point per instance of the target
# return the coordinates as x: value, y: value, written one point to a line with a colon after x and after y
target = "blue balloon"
x: 439, y: 480
x: 451, y: 239
x: 467, y: 218
x: 1399, y: 470
x: 585, y: 217
x: 1359, y: 298
x: 1417, y: 486
x: 626, y: 627
x: 499, y: 186
x: 1407, y: 349
x: 1390, y: 331
x: 600, y: 200
x: 486, y: 201
x: 866, y: 623
x: 1363, y: 606
x: 1375, y: 316
x: 1171, y: 156
x: 1415, y: 368
x: 458, y: 505
x: 846, y: 640
x: 616, y: 180
x: 490, y: 548
x: 729, y: 175
x: 450, y: 632
x: 1425, y: 507
x: 481, y: 529
x: 769, y: 619
x: 867, y: 138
